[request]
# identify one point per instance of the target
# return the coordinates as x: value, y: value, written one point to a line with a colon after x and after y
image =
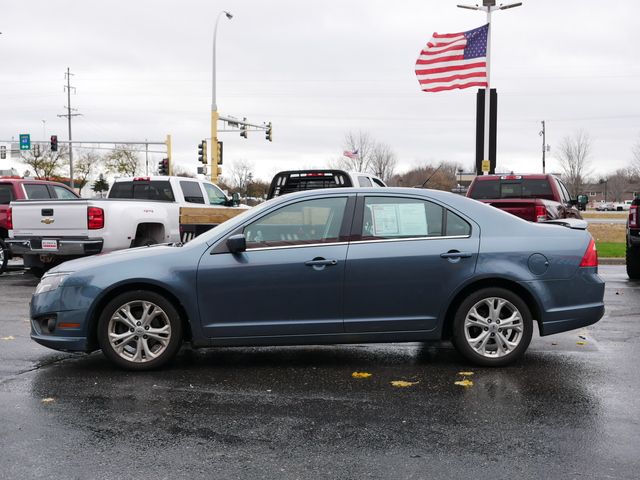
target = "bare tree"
x: 44, y: 162
x: 84, y: 168
x: 362, y: 148
x: 123, y: 161
x: 439, y: 177
x: 383, y: 161
x: 635, y: 151
x: 618, y: 183
x: 241, y: 175
x: 574, y: 160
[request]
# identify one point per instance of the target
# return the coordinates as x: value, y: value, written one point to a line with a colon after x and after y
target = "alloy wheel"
x: 493, y: 327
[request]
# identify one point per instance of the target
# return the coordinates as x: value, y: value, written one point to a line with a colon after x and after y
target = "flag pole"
x: 487, y: 93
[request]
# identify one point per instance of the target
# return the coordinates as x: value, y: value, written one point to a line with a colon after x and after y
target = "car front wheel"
x: 140, y: 330
x: 492, y: 327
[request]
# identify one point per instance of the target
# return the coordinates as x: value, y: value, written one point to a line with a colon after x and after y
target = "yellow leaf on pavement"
x: 464, y: 383
x: 10, y: 337
x: 403, y: 383
x: 361, y: 375
x: 465, y: 374
x: 581, y: 343
x: 47, y: 400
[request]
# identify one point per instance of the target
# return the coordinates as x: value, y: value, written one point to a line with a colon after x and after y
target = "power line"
x: 68, y: 116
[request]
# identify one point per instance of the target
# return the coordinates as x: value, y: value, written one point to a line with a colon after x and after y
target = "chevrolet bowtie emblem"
x: 47, y: 221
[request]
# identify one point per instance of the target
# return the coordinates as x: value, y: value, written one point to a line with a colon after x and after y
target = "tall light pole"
x: 488, y: 6
x: 214, y: 105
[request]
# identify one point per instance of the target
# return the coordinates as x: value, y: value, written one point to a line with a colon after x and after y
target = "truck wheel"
x: 492, y: 327
x: 4, y: 257
x: 144, y: 242
x: 139, y: 330
x: 633, y: 262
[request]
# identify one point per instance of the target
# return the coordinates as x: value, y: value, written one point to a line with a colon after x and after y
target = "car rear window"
x: 143, y: 190
x: 289, y: 182
x: 6, y: 193
x: 522, y: 188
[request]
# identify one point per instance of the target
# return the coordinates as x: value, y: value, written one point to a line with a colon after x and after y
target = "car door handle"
x: 455, y: 254
x: 320, y: 262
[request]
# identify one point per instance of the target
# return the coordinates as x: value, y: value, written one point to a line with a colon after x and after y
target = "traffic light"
x: 202, y: 152
x: 243, y: 128
x: 163, y: 167
x: 267, y: 133
x: 219, y: 153
x: 3, y: 152
x: 54, y: 143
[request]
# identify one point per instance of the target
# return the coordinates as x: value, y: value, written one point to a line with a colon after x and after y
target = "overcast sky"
x: 318, y: 70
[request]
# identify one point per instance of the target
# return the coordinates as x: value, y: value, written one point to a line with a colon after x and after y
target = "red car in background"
x: 12, y: 188
x: 534, y: 197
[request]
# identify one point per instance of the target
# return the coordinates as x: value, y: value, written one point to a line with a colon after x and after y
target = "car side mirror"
x: 235, y: 199
x: 237, y: 243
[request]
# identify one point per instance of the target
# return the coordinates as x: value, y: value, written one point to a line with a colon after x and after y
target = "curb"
x: 612, y: 261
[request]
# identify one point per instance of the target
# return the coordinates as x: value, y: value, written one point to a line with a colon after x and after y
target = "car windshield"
x: 522, y: 188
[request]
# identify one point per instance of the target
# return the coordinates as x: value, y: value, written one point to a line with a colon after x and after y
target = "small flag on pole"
x: 350, y: 154
x: 454, y: 60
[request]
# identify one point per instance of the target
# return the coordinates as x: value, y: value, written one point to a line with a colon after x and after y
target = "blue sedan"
x: 331, y: 266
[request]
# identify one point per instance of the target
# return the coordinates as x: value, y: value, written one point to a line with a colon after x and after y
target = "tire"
x: 144, y: 242
x: 633, y: 262
x: 123, y: 337
x: 496, y: 350
x: 4, y: 257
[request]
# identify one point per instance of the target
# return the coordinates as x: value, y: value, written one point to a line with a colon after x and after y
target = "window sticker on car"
x: 385, y: 220
x: 404, y: 219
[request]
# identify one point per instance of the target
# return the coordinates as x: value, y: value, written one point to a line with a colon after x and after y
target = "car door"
x: 289, y: 281
x: 406, y: 257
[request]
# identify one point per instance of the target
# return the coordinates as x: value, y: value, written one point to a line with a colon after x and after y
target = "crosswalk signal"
x: 243, y: 128
x: 202, y: 152
x: 163, y: 167
x: 267, y: 133
x: 54, y: 143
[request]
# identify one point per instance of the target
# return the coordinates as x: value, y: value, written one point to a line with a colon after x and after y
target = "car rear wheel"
x: 633, y: 262
x: 492, y: 327
x: 140, y: 330
x: 4, y: 257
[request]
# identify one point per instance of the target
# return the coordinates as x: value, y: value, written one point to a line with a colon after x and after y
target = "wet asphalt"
x: 570, y: 409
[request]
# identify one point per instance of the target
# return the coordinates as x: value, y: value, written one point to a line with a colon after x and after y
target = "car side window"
x: 63, y: 193
x: 191, y: 192
x: 377, y: 182
x: 364, y: 181
x: 564, y: 192
x: 6, y: 193
x: 36, y: 191
x: 394, y: 218
x: 457, y: 226
x: 307, y: 222
x: 216, y: 196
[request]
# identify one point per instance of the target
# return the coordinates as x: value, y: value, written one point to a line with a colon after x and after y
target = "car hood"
x: 140, y: 254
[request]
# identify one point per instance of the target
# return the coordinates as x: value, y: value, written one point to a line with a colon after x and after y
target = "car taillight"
x: 633, y: 216
x: 95, y: 218
x: 9, y: 219
x: 541, y: 213
x: 590, y: 258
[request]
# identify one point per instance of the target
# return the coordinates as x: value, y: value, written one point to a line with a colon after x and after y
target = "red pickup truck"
x: 534, y: 197
x: 633, y: 240
x: 24, y: 189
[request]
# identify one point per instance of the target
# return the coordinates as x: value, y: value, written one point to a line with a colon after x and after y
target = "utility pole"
x: 68, y: 116
x: 545, y: 147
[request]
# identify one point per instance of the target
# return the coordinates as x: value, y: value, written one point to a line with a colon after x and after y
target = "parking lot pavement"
x: 568, y: 410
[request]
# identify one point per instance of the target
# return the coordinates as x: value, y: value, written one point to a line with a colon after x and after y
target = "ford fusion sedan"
x: 328, y: 267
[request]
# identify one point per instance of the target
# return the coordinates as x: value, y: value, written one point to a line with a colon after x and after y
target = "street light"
x: 214, y: 106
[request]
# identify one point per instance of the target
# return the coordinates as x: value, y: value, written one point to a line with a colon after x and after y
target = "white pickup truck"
x: 138, y: 211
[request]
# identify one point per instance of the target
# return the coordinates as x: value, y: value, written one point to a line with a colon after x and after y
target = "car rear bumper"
x: 570, y: 318
x: 65, y: 247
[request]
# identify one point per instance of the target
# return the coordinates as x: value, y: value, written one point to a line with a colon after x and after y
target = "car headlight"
x: 50, y: 282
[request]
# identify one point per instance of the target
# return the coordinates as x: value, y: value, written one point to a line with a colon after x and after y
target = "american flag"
x: 350, y: 154
x: 454, y: 60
